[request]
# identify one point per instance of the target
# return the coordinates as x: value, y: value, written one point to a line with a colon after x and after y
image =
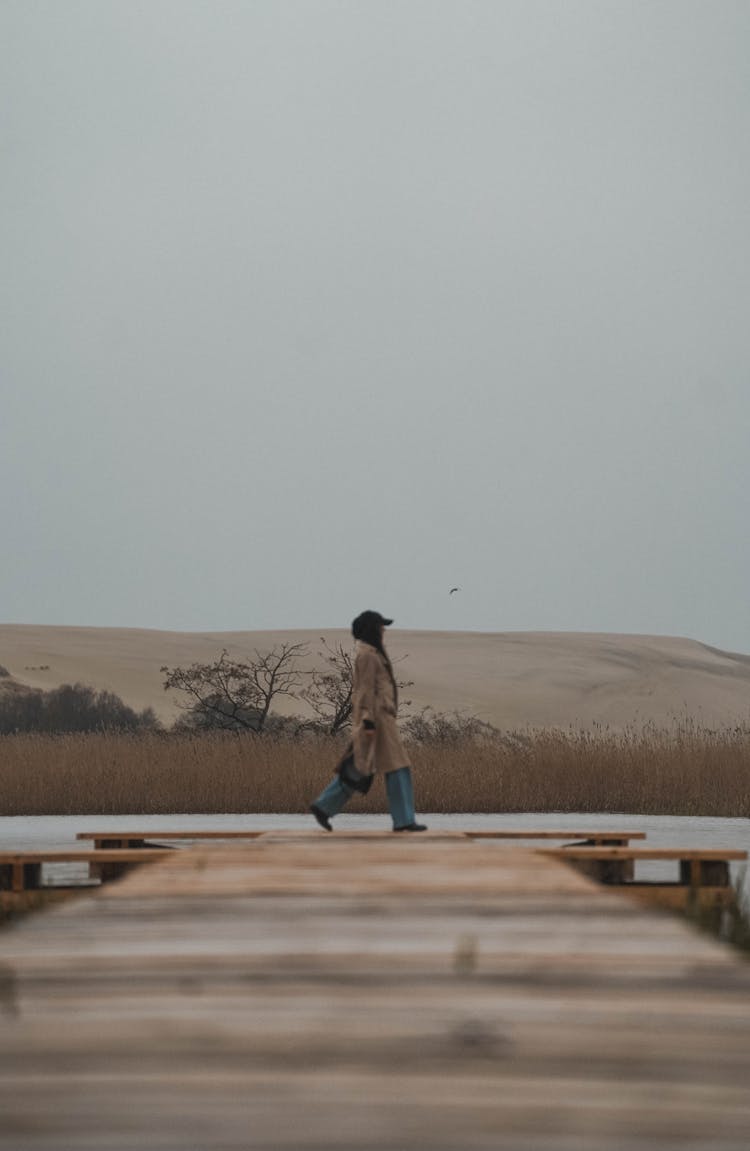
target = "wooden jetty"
x: 365, y: 991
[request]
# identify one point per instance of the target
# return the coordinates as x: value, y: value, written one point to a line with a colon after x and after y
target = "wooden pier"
x: 364, y: 991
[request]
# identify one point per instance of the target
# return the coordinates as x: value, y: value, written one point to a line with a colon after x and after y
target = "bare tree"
x: 329, y: 693
x: 236, y: 695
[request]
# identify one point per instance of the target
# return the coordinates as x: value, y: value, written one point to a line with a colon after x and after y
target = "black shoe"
x: 412, y: 827
x: 321, y: 817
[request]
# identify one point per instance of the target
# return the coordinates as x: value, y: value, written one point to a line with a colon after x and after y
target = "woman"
x: 376, y: 744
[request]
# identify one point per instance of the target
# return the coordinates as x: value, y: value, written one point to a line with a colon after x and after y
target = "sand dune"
x: 512, y: 679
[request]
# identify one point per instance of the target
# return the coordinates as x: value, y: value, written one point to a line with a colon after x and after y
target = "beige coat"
x: 374, y: 698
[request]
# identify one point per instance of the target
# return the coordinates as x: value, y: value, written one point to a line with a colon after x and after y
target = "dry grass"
x: 685, y: 771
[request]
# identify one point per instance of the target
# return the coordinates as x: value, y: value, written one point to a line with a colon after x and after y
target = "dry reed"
x: 687, y: 770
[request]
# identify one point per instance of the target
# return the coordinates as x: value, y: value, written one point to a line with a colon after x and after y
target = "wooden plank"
x: 590, y: 835
x: 22, y: 870
x: 653, y: 853
x: 140, y: 838
x: 310, y: 833
x: 79, y: 855
x: 136, y: 838
x: 444, y: 1108
x: 271, y: 1024
x: 232, y: 943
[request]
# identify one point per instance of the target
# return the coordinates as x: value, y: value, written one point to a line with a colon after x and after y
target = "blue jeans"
x: 398, y: 787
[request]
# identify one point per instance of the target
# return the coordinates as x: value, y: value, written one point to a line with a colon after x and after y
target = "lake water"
x: 58, y: 831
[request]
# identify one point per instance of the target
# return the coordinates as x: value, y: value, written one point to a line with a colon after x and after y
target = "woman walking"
x: 376, y: 744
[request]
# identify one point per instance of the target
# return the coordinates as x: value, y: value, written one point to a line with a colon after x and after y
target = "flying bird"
x: 454, y: 589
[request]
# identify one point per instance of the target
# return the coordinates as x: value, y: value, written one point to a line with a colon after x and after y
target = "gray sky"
x: 311, y: 306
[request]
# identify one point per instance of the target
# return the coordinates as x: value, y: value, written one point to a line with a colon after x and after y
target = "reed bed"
x: 686, y: 770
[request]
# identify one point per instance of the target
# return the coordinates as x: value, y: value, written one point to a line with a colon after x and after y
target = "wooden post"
x: 606, y: 870
x: 704, y: 872
x: 106, y: 872
x: 19, y: 876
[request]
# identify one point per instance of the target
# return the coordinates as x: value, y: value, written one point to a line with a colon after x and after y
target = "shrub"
x: 683, y: 771
x: 71, y: 708
x: 448, y: 728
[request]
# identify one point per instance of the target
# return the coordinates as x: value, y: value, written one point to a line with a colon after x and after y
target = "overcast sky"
x: 314, y: 306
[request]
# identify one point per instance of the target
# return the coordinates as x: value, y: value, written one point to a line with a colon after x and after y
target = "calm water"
x: 50, y: 831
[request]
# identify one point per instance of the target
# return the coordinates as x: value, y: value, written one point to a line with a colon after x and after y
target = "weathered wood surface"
x: 363, y: 992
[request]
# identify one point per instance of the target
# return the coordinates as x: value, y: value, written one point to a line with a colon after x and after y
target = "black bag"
x: 348, y: 773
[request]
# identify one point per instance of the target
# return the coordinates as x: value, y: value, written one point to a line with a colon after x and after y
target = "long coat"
x: 375, y: 698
